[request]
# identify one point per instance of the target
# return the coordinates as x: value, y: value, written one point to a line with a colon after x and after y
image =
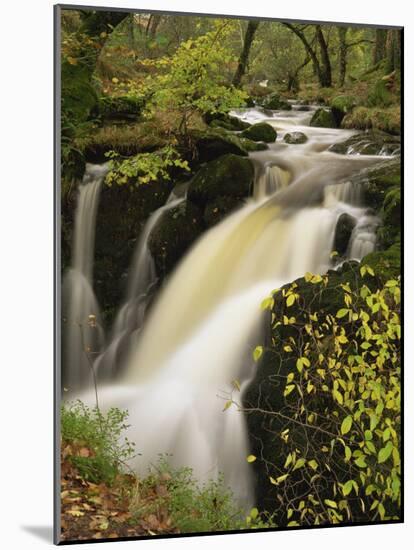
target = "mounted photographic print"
x: 228, y: 275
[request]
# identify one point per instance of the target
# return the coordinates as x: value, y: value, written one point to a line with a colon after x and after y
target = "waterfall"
x: 83, y: 334
x: 198, y: 336
x: 142, y: 279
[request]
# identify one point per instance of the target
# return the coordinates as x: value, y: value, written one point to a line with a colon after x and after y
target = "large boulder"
x: 341, y: 105
x: 219, y: 208
x: 229, y: 175
x: 274, y: 102
x: 262, y: 131
x: 122, y: 213
x: 175, y: 232
x: 226, y: 121
x: 215, y: 142
x: 323, y: 118
x: 295, y: 138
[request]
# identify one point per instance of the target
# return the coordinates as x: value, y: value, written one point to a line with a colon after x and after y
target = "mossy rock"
x: 217, y: 209
x: 381, y: 96
x: 341, y: 105
x: 391, y: 211
x: 387, y: 119
x: 229, y: 175
x: 295, y: 138
x: 372, y: 142
x: 122, y: 213
x: 275, y: 103
x: 177, y: 230
x: 343, y: 232
x: 120, y: 107
x: 323, y: 118
x: 250, y: 145
x: 262, y: 131
x: 386, y: 264
x: 215, y: 142
x: 377, y: 180
x: 78, y: 94
x: 226, y: 121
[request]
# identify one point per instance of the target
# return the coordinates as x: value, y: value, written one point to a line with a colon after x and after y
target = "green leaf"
x: 330, y: 503
x: 251, y: 458
x: 289, y: 388
x: 299, y: 464
x: 257, y: 353
x: 346, y: 425
x: 290, y: 300
x: 385, y: 452
x: 342, y: 312
x: 347, y: 488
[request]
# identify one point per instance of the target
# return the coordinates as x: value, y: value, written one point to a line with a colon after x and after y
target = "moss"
x: 174, y: 234
x: 275, y: 103
x: 295, y: 138
x: 260, y: 132
x: 219, y: 208
x: 229, y: 175
x: 323, y: 118
x: 380, y: 96
x: 386, y: 264
x: 215, y: 142
x: 378, y: 180
x: 78, y: 94
x: 250, y: 145
x: 226, y: 121
x: 341, y: 105
x: 121, y: 215
x: 365, y: 118
x: 390, y: 232
x: 120, y: 107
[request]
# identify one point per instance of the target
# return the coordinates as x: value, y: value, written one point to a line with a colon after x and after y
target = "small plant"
x: 191, y: 507
x: 93, y: 441
x: 144, y: 167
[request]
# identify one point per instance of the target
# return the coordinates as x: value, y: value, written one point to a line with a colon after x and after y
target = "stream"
x: 181, y: 357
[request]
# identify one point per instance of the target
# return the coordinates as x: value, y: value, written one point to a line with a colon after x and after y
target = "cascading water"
x: 142, y: 279
x: 199, y: 334
x: 82, y: 320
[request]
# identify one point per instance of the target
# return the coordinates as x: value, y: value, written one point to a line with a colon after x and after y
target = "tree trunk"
x: 379, y: 45
x: 311, y: 52
x: 342, y: 54
x: 326, y: 71
x: 393, y: 50
x: 156, y: 20
x: 244, y: 56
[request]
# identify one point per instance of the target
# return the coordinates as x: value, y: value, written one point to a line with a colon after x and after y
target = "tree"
x: 244, y: 56
x: 393, y: 50
x: 379, y: 45
x: 323, y: 71
x: 326, y: 71
x: 342, y: 54
x: 191, y: 81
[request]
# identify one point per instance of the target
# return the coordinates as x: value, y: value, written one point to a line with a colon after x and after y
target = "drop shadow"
x: 43, y: 532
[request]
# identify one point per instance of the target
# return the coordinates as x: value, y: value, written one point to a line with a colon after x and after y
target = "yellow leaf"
x: 251, y: 458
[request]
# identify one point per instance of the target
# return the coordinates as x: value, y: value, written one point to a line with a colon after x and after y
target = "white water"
x: 82, y: 318
x: 204, y: 324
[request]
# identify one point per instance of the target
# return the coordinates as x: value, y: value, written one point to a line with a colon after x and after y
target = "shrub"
x: 338, y: 417
x: 92, y: 441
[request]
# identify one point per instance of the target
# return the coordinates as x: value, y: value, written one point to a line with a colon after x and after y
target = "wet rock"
x: 377, y: 180
x: 372, y: 142
x: 217, y: 209
x: 229, y: 175
x: 226, y: 121
x: 260, y: 132
x: 215, y: 142
x: 274, y: 102
x: 303, y: 108
x: 174, y: 234
x: 295, y: 138
x: 323, y: 118
x: 122, y: 212
x: 343, y: 232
